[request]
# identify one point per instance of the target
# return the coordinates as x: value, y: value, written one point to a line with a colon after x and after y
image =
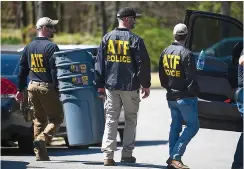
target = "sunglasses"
x: 132, y: 17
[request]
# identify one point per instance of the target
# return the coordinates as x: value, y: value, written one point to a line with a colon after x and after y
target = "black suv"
x: 217, y: 36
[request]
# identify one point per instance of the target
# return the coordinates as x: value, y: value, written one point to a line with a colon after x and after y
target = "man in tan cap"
x: 177, y: 73
x: 38, y: 63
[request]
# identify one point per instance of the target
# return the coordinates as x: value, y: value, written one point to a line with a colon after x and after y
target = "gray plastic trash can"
x: 84, y: 112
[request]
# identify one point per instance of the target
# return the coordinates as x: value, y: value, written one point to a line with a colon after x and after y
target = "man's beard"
x: 52, y: 35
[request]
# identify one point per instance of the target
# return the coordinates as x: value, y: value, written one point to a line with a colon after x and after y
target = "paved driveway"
x: 209, y: 149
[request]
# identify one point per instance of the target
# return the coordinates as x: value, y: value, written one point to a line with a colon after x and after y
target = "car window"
x: 225, y: 47
x: 9, y: 64
x: 217, y: 37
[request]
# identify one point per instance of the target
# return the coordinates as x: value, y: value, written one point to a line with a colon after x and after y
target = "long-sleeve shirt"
x: 123, y: 62
x: 37, y: 62
x: 177, y: 72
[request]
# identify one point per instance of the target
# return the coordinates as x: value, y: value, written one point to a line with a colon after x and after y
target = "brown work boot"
x: 38, y: 158
x: 128, y: 159
x: 170, y: 160
x: 177, y: 165
x: 40, y: 150
x: 109, y: 162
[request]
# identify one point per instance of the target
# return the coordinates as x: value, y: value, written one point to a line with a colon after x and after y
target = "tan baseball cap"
x: 45, y: 21
x: 180, y: 29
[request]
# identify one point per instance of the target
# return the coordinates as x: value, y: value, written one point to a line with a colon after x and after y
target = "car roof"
x: 69, y: 47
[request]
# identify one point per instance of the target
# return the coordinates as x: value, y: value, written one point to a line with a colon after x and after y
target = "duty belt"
x: 41, y: 83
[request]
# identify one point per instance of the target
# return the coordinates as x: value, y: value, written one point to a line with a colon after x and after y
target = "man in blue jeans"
x: 177, y: 73
x: 238, y: 157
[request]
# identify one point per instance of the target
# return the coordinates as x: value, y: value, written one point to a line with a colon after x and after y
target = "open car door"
x: 217, y: 36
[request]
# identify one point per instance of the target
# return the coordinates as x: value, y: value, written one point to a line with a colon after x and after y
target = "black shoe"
x: 128, y: 159
x: 235, y: 167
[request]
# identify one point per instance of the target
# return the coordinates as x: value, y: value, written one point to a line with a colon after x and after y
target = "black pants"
x: 238, y: 163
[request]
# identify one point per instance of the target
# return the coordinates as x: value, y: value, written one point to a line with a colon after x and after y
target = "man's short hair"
x: 180, y: 32
x: 180, y: 37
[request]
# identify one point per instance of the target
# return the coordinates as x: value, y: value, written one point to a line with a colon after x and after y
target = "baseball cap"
x: 126, y: 12
x: 180, y: 29
x: 45, y: 21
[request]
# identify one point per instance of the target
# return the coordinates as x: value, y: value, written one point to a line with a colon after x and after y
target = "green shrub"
x: 15, y: 37
x: 156, y: 39
x: 77, y: 38
x: 10, y: 36
x: 10, y: 40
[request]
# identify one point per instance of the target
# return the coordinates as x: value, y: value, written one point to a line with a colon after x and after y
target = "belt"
x: 41, y: 83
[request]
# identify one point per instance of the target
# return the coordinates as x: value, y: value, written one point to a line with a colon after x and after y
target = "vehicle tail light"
x: 8, y: 88
x: 228, y: 101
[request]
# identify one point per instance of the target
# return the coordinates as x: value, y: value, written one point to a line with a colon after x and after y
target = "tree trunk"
x: 24, y: 19
x: 225, y: 7
x: 39, y: 10
x: 70, y: 26
x: 16, y: 9
x: 104, y: 18
x: 33, y: 10
x: 97, y: 13
x: 225, y: 10
x: 116, y: 9
x: 61, y: 17
x: 92, y: 18
x: 45, y: 9
x: 24, y: 13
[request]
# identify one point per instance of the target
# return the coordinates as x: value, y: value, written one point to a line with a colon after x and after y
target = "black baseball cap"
x: 126, y: 12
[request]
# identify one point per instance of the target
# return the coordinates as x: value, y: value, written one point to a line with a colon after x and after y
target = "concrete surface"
x: 209, y: 149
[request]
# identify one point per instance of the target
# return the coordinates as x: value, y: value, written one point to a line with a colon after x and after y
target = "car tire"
x: 83, y: 147
x: 25, y: 142
x: 121, y: 134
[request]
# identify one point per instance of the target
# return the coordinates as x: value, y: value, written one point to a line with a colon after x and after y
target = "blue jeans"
x: 239, y: 99
x: 240, y: 107
x: 238, y: 157
x: 182, y: 109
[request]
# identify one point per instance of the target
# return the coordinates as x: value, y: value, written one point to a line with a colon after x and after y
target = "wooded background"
x: 86, y: 22
x: 94, y: 16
